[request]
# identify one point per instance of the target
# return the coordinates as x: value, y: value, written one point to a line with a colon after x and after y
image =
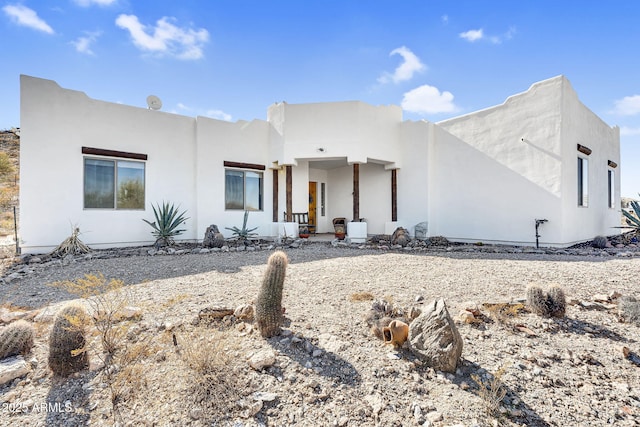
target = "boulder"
x: 434, y: 338
x: 422, y: 229
x: 213, y: 238
x: 400, y: 237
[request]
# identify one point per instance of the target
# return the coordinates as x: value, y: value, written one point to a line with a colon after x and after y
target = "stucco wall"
x: 56, y: 123
x: 243, y: 142
x: 476, y: 198
x: 582, y: 126
x: 352, y: 129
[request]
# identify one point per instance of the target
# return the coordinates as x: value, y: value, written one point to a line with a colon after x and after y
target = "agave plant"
x: 165, y: 227
x: 244, y: 233
x: 633, y: 221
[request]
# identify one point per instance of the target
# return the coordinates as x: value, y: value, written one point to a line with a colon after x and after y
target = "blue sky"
x: 231, y: 59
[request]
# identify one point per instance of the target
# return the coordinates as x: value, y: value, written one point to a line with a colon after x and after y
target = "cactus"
x: 547, y: 304
x: 629, y: 309
x: 556, y: 301
x: 67, y: 342
x: 16, y: 338
x: 599, y: 242
x: 268, y: 311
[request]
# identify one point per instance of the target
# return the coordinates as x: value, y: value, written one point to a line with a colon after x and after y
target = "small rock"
x: 434, y: 416
x: 12, y: 368
x: 264, y: 396
x: 262, y: 359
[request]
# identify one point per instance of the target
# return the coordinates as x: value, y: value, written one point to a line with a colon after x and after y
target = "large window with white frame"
x: 583, y: 182
x: 244, y: 189
x: 113, y: 184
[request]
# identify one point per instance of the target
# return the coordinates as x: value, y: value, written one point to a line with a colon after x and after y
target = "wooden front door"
x: 313, y: 192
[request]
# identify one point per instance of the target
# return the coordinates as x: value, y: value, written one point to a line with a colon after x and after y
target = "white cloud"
x: 628, y: 106
x: 410, y: 65
x: 427, y: 99
x: 218, y: 114
x: 24, y: 16
x: 214, y: 114
x: 83, y: 43
x: 475, y: 35
x: 165, y: 38
x: 472, y: 35
x: 628, y: 131
x: 444, y: 19
x: 87, y: 3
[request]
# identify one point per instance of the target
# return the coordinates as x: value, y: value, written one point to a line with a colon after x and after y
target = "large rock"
x: 434, y: 338
x: 213, y: 238
x: 422, y: 229
x: 400, y: 237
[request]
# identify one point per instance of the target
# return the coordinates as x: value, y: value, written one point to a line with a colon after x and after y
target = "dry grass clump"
x: 71, y: 245
x: 217, y: 383
x: 361, y: 296
x: 491, y: 391
x: 503, y: 313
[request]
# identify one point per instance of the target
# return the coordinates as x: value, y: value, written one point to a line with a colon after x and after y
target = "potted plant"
x: 304, y: 233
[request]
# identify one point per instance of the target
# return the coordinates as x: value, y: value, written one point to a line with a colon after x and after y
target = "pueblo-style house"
x: 486, y: 176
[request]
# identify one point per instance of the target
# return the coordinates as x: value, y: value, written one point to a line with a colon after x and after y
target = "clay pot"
x: 396, y: 333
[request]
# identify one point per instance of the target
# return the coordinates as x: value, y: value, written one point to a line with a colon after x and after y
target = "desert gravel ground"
x: 327, y: 368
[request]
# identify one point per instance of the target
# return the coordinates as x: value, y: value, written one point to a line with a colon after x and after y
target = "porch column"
x: 394, y: 195
x: 289, y: 193
x: 275, y: 195
x: 356, y: 191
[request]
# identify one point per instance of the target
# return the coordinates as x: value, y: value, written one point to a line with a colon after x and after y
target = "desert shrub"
x: 629, y: 309
x: 547, y: 304
x: 633, y: 219
x: 269, y: 302
x: 67, y: 342
x: 599, y: 242
x: 215, y: 387
x: 16, y: 338
x: 107, y: 299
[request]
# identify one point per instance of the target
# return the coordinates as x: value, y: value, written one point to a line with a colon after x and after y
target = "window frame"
x: 244, y: 169
x: 583, y: 182
x: 115, y: 160
x: 611, y: 188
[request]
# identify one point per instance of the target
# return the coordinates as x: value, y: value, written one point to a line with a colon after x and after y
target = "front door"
x: 313, y: 187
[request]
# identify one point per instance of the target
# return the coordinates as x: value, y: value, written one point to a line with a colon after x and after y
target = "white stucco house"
x: 485, y: 176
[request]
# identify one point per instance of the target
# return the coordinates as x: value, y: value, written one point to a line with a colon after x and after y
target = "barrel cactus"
x: 67, y: 341
x: 268, y: 311
x: 547, y: 304
x: 16, y: 338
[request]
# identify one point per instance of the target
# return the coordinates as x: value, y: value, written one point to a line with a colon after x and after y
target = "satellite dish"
x: 154, y: 102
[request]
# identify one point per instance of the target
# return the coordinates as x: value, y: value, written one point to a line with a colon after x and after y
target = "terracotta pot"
x: 396, y: 333
x: 340, y: 236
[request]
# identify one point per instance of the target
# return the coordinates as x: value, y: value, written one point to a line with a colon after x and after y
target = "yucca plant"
x: 165, y: 227
x: 243, y: 234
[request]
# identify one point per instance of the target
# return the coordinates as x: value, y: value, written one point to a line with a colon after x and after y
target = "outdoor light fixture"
x: 538, y: 222
x: 321, y: 149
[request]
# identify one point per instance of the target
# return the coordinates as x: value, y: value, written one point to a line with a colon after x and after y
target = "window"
x: 243, y: 190
x: 611, y: 176
x: 583, y: 182
x: 113, y: 184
